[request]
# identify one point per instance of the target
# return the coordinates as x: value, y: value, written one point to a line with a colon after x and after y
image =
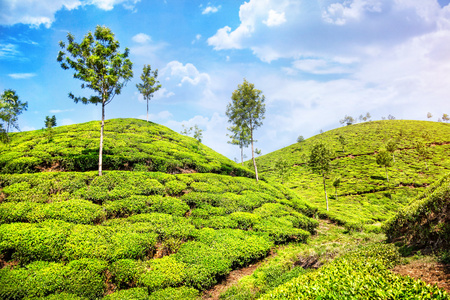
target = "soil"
x: 430, y: 272
x: 232, y: 278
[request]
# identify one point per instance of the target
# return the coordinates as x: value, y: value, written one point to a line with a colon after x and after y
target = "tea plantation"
x: 170, y: 218
x: 364, y: 198
x: 129, y: 144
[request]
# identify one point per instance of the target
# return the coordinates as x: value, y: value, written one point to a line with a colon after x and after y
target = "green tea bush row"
x: 83, y: 278
x: 74, y: 211
x: 425, y: 222
x: 55, y: 240
x: 363, y: 274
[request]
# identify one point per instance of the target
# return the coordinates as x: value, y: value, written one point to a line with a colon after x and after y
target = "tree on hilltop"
x: 445, y: 118
x: 50, y: 122
x: 429, y: 115
x: 102, y: 68
x: 246, y: 110
x: 347, y: 120
x: 10, y: 108
x: 320, y: 163
x: 149, y: 84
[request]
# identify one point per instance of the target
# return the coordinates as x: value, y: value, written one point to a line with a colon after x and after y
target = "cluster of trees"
x: 445, y: 117
x: 10, y: 108
x: 97, y: 61
x: 349, y: 120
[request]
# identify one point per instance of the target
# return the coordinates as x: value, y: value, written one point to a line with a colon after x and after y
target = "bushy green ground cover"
x: 129, y: 144
x: 151, y: 232
x: 426, y: 221
x: 364, y: 197
x: 361, y: 274
x: 294, y: 259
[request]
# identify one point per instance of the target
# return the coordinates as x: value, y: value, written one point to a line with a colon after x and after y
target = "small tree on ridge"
x: 149, y: 83
x: 320, y: 163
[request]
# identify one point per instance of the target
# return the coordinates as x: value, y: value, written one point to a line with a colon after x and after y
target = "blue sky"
x: 314, y: 60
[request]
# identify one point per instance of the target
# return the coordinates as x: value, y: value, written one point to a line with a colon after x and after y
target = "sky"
x: 315, y: 61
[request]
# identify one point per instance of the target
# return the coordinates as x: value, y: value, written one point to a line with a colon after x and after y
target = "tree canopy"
x: 102, y: 68
x: 149, y: 84
x: 10, y: 108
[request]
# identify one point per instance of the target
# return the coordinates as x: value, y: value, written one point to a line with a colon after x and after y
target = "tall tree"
x: 343, y: 142
x: 391, y: 146
x: 149, y: 83
x: 50, y: 122
x: 10, y: 108
x: 239, y: 137
x: 320, y: 163
x: 384, y: 159
x: 246, y: 110
x: 102, y: 68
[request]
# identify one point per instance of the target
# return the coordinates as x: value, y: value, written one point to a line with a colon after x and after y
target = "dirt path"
x: 232, y: 278
x: 430, y: 272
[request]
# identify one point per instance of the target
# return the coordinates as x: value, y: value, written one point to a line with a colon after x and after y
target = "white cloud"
x: 163, y: 93
x: 186, y: 73
x: 161, y: 116
x: 9, y: 51
x: 42, y: 12
x: 21, y: 75
x: 328, y: 27
x: 275, y: 19
x: 57, y: 111
x: 210, y: 9
x: 141, y: 38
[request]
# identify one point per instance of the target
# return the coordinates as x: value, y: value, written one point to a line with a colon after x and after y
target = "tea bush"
x: 363, y: 274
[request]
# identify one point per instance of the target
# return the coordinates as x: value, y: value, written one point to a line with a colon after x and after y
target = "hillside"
x: 132, y: 233
x: 129, y: 144
x: 425, y: 223
x: 364, y: 197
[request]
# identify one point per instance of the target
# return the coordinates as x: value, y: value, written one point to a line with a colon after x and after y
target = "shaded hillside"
x: 80, y: 236
x: 426, y: 221
x: 129, y: 144
x: 364, y: 196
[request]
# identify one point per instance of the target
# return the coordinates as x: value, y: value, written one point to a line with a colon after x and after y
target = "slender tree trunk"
x: 393, y: 156
x: 100, y: 152
x: 242, y: 155
x: 325, y: 189
x: 147, y: 110
x: 253, y: 155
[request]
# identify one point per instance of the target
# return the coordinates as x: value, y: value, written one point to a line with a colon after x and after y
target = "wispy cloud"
x: 210, y: 9
x: 141, y: 38
x: 9, y: 51
x: 21, y: 75
x: 57, y: 111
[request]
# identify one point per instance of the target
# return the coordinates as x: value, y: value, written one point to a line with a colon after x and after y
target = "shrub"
x: 162, y: 273
x: 137, y: 293
x: 181, y: 293
x: 125, y: 272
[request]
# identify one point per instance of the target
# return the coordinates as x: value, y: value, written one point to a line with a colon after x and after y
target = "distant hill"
x: 129, y: 144
x: 364, y: 197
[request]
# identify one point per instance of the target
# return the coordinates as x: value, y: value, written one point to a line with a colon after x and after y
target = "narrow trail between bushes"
x: 236, y: 275
x: 232, y: 278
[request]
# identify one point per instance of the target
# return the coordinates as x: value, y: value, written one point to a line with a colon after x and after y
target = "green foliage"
x: 246, y: 113
x: 358, y: 275
x: 149, y: 84
x: 133, y: 293
x: 76, y: 279
x: 364, y: 196
x: 320, y: 159
x: 50, y: 122
x: 10, y: 108
x: 162, y: 273
x: 181, y: 293
x: 425, y: 222
x: 130, y: 144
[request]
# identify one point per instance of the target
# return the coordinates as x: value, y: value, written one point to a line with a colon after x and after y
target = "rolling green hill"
x: 129, y: 144
x: 132, y: 233
x: 364, y: 197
